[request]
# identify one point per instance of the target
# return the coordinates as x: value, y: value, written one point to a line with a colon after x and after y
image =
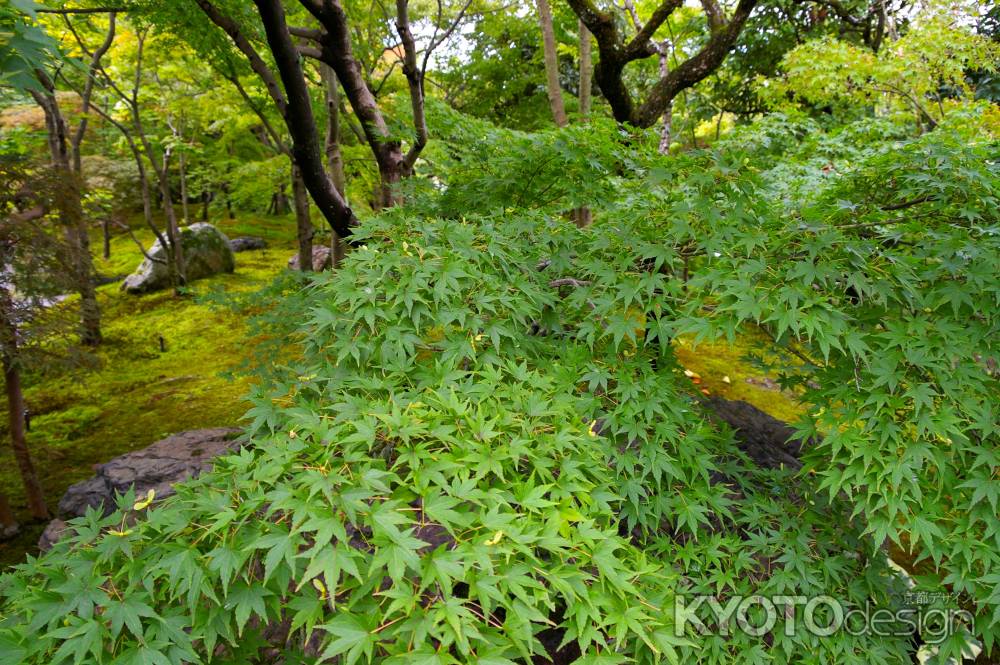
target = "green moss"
x: 138, y: 393
x: 715, y: 362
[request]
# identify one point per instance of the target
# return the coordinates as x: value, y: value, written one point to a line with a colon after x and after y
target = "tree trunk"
x: 666, y: 130
x: 302, y: 221
x: 71, y: 211
x: 70, y: 206
x: 582, y: 215
x: 173, y: 229
x: 15, y: 408
x: 390, y: 175
x: 551, y: 63
x: 182, y: 169
x: 616, y: 53
x: 279, y: 202
x: 106, y: 232
x: 334, y: 155
x: 586, y: 70
x: 206, y: 198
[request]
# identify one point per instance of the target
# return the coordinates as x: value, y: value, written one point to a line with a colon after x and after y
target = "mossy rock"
x: 206, y: 249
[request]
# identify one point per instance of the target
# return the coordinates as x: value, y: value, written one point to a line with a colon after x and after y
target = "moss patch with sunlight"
x: 137, y: 393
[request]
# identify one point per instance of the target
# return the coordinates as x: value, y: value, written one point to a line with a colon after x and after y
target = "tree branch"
x: 640, y: 46
x: 231, y: 28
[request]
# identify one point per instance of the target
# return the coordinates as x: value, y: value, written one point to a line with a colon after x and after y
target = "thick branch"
x: 608, y: 71
x: 695, y: 68
x: 300, y: 120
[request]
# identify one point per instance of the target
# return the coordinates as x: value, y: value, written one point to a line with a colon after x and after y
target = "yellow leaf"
x: 497, y: 537
x: 142, y: 504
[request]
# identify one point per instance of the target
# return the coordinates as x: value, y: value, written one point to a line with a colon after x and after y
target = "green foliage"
x: 885, y: 282
x: 464, y: 457
x: 924, y: 72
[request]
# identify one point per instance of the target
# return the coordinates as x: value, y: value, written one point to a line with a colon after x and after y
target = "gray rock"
x: 86, y: 494
x: 206, y: 252
x: 322, y: 259
x: 53, y: 532
x: 247, y: 243
x: 158, y: 467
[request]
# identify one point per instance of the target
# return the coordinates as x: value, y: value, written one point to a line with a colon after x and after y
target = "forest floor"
x: 137, y: 394
x: 134, y: 394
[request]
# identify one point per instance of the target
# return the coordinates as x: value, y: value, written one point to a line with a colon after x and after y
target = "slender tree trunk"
x: 106, y: 232
x: 173, y: 229
x: 334, y: 155
x: 666, y: 130
x: 205, y: 199
x: 551, y: 58
x: 15, y: 408
x: 582, y: 215
x: 302, y: 221
x: 78, y: 238
x: 279, y: 201
x: 182, y: 169
x: 586, y: 71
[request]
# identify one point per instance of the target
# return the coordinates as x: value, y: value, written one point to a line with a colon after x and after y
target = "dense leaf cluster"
x: 486, y: 451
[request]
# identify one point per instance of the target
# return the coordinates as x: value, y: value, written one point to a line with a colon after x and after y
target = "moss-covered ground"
x: 137, y: 393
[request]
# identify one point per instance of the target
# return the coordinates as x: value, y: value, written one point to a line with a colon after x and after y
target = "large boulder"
x: 206, y: 252
x: 158, y: 467
x: 322, y: 259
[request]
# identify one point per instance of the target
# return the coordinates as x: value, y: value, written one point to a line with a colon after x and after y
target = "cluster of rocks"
x: 158, y: 467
